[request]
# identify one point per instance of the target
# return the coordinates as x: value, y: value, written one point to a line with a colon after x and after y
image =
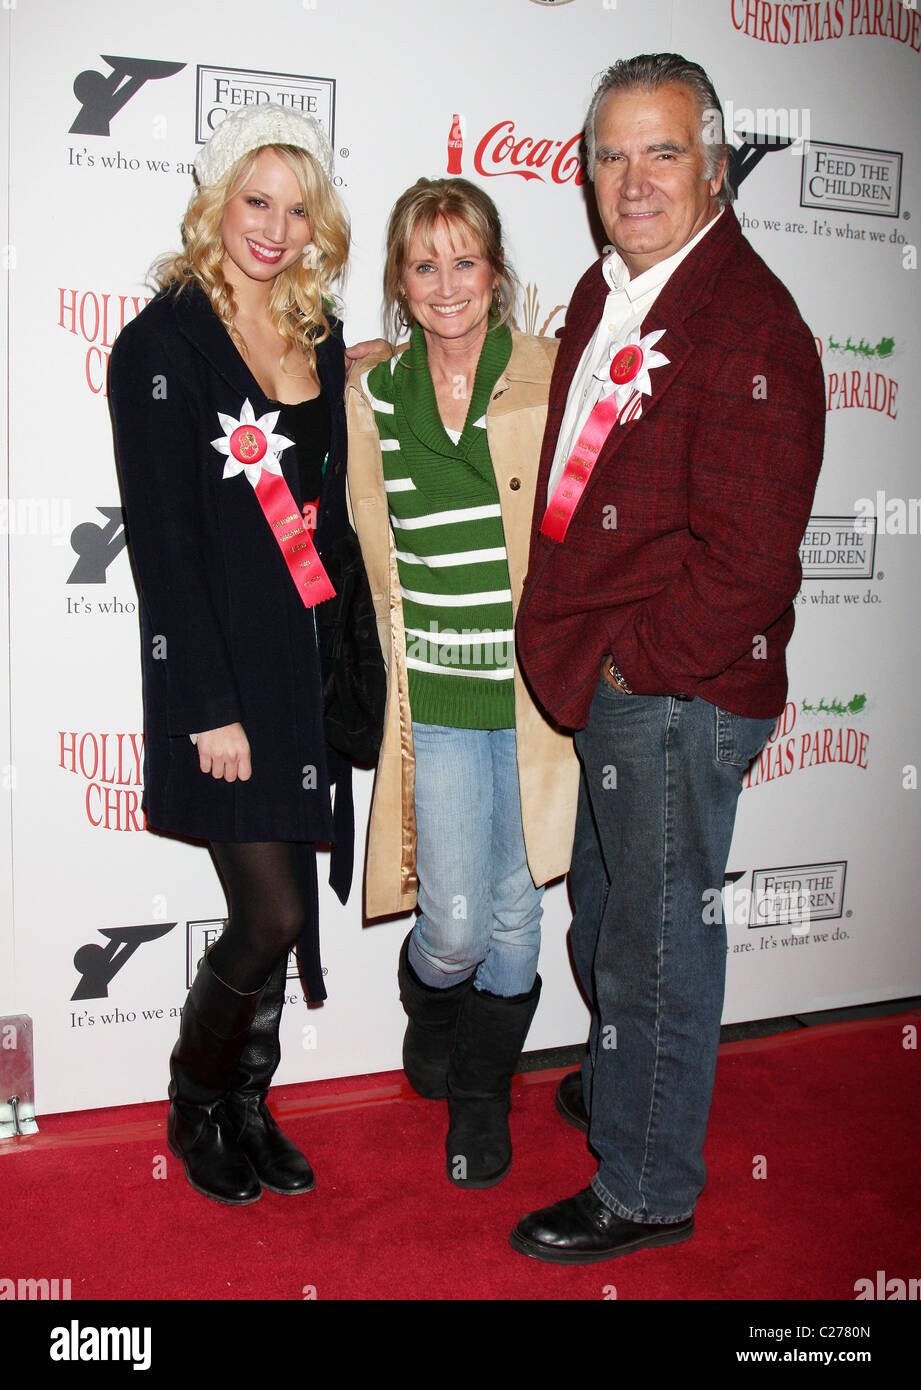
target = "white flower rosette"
x: 628, y: 365
x: 250, y: 444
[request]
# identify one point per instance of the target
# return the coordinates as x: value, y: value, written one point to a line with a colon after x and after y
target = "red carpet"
x: 828, y: 1115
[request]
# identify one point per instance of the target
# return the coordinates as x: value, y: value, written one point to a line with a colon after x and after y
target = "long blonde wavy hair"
x: 301, y: 296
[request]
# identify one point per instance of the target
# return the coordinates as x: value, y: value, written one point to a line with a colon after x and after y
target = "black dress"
x: 308, y: 425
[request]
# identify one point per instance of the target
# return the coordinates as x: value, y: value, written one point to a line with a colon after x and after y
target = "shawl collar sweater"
x: 450, y: 543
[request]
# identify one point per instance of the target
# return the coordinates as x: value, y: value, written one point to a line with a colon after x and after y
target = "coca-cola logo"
x: 503, y: 151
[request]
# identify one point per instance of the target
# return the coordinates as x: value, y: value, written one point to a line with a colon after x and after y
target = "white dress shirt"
x: 627, y: 304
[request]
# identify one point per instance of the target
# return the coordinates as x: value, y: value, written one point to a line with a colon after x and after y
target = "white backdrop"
x: 102, y: 922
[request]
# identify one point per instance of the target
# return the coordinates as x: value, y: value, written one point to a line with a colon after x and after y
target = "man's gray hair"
x: 650, y: 71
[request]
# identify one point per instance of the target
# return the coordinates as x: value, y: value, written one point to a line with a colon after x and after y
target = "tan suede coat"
x: 547, y: 766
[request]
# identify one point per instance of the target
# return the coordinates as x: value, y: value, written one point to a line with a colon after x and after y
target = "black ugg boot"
x: 429, y: 1034
x: 278, y: 1163
x: 215, y: 1022
x: 490, y: 1035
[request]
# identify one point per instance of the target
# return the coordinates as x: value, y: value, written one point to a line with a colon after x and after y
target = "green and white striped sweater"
x: 450, y: 544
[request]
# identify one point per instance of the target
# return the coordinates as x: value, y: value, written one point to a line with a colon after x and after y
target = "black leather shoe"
x: 569, y: 1101
x: 582, y: 1229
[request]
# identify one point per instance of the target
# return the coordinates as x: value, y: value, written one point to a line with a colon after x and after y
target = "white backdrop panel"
x: 92, y: 207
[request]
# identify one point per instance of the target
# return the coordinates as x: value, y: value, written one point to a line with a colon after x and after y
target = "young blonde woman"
x: 474, y: 800
x: 227, y: 399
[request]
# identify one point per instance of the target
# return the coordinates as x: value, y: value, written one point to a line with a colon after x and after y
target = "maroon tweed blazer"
x: 692, y: 589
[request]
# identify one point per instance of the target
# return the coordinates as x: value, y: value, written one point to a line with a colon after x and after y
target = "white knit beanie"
x: 251, y: 127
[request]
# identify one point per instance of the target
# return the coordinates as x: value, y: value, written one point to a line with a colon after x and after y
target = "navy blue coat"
x: 225, y: 637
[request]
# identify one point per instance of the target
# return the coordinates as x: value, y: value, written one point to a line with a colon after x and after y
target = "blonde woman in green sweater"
x: 425, y: 425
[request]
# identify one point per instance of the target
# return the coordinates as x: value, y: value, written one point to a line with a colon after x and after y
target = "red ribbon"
x: 248, y: 445
x: 568, y: 492
x: 304, y: 564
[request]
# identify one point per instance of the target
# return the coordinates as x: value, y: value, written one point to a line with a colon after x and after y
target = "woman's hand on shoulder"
x: 225, y: 753
x: 371, y: 346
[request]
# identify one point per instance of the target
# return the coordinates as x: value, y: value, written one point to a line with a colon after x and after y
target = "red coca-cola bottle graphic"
x: 455, y: 146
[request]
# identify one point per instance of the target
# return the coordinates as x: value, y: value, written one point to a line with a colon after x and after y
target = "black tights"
x: 271, y: 896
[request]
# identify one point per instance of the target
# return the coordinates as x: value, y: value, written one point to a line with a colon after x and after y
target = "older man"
x: 683, y: 444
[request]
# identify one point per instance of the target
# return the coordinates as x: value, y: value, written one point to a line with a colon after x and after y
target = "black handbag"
x: 354, y: 679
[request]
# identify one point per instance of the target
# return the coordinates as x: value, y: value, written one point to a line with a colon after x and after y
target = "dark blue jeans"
x: 660, y: 783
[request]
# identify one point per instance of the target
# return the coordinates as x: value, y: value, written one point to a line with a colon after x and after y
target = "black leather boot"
x: 490, y: 1035
x: 278, y: 1163
x: 429, y: 1034
x: 215, y: 1022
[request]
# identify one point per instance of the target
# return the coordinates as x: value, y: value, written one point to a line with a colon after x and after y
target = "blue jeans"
x: 657, y: 803
x: 478, y: 907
